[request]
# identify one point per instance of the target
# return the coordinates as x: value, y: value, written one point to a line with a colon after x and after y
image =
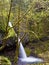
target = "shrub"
x: 4, y: 61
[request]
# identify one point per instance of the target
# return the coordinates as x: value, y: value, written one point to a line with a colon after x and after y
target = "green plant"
x: 4, y: 61
x: 28, y: 51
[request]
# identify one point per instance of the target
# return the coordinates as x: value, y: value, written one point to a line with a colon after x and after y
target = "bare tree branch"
x: 9, y: 15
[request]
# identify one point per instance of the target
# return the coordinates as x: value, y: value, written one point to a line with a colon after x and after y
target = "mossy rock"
x: 4, y: 61
x: 28, y: 51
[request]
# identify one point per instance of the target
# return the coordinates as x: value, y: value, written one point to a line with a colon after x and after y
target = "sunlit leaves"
x: 11, y: 33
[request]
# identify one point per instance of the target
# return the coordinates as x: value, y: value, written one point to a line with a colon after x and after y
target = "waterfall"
x: 23, y: 59
x: 22, y: 53
x: 10, y: 24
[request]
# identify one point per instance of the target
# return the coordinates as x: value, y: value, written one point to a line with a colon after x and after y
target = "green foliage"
x: 4, y: 61
x: 28, y: 16
x: 28, y: 51
x: 11, y: 33
x: 39, y: 16
x: 4, y: 9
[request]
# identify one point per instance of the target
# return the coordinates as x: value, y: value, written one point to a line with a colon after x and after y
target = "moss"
x: 28, y: 51
x: 4, y: 61
x: 11, y: 33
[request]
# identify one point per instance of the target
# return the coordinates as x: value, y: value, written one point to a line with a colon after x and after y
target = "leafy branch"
x: 5, y: 38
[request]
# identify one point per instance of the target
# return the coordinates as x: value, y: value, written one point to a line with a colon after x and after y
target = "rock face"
x: 0, y: 36
x: 25, y: 38
x: 23, y: 31
x: 10, y: 41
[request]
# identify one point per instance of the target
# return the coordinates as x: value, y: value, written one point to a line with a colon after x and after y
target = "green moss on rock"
x: 4, y: 61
